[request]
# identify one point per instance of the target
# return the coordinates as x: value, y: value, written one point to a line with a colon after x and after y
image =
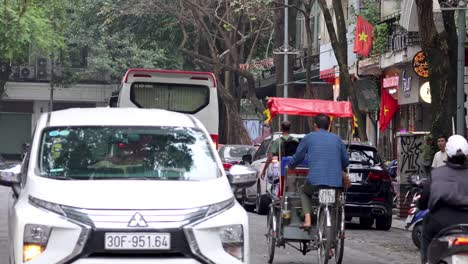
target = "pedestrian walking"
x: 441, y: 156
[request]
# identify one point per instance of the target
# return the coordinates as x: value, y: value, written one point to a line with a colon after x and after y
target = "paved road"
x: 361, y: 246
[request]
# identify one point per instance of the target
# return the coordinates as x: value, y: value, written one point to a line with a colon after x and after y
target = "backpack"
x: 288, y: 146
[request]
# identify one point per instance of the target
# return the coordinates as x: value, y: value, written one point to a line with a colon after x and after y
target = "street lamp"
x: 285, y: 50
x: 459, y: 5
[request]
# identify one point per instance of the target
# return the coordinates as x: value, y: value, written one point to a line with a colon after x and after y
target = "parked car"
x: 370, y: 197
x: 256, y: 195
x: 103, y: 184
x: 232, y: 154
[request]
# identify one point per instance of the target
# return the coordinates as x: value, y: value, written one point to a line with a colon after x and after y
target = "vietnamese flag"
x: 388, y: 108
x: 363, y: 37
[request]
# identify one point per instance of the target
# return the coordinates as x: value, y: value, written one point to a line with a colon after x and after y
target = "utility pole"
x: 461, y: 7
x: 286, y: 50
x: 286, y: 61
x: 461, y: 71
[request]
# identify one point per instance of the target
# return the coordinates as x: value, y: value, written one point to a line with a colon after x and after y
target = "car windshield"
x: 236, y: 152
x: 147, y: 153
x: 363, y: 156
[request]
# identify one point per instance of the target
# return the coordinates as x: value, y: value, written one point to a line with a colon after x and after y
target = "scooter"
x: 415, y: 215
x: 450, y: 246
x: 415, y: 220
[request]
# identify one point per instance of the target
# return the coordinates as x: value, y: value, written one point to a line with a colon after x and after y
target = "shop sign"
x: 425, y: 92
x: 391, y: 81
x: 399, y: 41
x: 406, y: 84
x: 420, y: 65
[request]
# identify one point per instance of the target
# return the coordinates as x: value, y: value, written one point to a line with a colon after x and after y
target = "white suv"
x: 116, y: 185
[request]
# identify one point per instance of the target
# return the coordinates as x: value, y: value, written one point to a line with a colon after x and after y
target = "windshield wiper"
x: 121, y: 178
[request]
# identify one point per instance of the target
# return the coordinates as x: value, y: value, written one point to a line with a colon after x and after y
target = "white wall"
x: 41, y: 91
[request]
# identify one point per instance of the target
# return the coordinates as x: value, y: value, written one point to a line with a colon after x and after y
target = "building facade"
x: 28, y: 95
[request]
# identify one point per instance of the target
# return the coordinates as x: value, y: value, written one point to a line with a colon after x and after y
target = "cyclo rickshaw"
x: 327, y: 232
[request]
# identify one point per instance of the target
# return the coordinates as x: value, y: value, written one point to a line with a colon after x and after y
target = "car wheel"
x: 416, y: 234
x: 366, y: 222
x: 243, y: 201
x: 384, y: 223
x: 262, y: 202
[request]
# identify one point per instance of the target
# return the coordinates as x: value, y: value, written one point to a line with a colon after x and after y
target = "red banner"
x: 308, y: 107
x: 363, y: 37
x: 388, y: 108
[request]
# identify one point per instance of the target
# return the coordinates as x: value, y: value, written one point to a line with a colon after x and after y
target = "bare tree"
x: 220, y: 35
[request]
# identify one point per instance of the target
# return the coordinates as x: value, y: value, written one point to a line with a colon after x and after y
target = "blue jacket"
x: 326, y: 156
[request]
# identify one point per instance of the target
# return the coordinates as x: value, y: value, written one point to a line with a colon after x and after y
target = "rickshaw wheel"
x: 324, y: 239
x: 340, y: 237
x: 271, y: 235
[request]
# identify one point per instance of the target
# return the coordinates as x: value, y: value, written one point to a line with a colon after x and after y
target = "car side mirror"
x: 242, y: 176
x: 247, y: 158
x: 10, y: 175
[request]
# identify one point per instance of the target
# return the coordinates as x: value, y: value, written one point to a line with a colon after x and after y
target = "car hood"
x: 130, y: 194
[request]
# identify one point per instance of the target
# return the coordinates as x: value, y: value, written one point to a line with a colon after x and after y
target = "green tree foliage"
x: 25, y: 25
x: 117, y: 41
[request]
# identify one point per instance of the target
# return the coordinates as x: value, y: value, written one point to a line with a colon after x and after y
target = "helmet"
x: 456, y: 145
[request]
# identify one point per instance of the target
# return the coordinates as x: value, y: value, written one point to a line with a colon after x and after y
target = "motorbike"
x: 415, y: 215
x: 392, y: 167
x: 450, y: 246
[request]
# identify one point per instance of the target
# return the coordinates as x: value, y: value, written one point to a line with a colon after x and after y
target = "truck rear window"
x: 183, y: 98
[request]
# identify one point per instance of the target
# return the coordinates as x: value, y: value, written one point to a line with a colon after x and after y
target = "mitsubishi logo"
x: 137, y: 221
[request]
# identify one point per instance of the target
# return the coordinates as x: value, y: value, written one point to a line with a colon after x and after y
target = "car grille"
x: 160, y: 221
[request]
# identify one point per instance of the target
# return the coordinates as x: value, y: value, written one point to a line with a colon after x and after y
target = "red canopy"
x: 308, y: 107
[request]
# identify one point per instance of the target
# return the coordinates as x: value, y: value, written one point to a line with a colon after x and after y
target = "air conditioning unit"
x: 27, y: 72
x: 15, y: 73
x: 41, y: 68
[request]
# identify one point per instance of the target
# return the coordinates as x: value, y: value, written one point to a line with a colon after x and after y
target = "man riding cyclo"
x: 327, y: 160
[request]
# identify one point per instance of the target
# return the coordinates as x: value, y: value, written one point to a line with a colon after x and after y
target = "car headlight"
x: 219, y: 207
x: 232, y: 239
x: 35, y: 240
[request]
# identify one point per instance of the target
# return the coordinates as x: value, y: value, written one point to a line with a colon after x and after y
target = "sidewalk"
x: 399, y: 223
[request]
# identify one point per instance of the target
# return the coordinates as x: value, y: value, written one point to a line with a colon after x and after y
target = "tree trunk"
x: 235, y: 130
x: 340, y: 47
x: 441, y: 50
x: 5, y: 71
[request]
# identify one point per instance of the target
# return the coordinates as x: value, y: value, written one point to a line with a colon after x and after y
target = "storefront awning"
x: 328, y: 75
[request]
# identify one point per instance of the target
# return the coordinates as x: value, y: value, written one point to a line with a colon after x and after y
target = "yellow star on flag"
x: 363, y: 37
x: 385, y: 110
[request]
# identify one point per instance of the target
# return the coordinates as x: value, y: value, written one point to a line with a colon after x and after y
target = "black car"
x: 371, y: 195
